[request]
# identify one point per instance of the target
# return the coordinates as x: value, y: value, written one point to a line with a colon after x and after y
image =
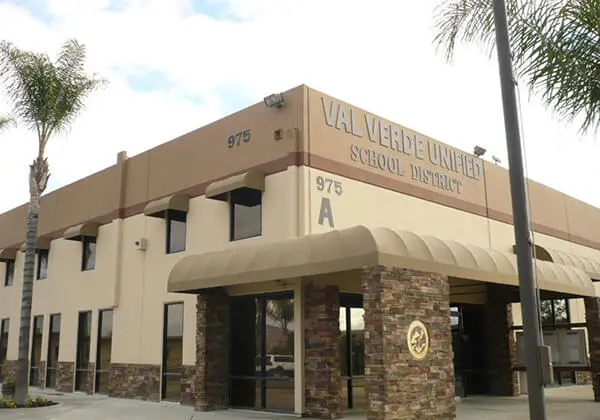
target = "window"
x: 4, y: 326
x: 88, y: 254
x: 172, y: 351
x: 42, y: 266
x: 36, y: 350
x: 104, y: 350
x: 9, y: 274
x: 245, y: 213
x: 83, y: 350
x: 262, y: 367
x: 53, y: 347
x: 176, y: 231
x: 555, y: 311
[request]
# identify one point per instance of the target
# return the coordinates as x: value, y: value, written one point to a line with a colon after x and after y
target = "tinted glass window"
x: 53, y: 348
x: 89, y: 253
x: 9, y: 274
x: 245, y: 213
x: 4, y: 326
x: 105, y: 330
x: 42, y: 267
x: 176, y: 231
x: 83, y: 350
x: 172, y: 351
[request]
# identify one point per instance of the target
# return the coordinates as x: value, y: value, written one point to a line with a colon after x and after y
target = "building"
x: 300, y: 255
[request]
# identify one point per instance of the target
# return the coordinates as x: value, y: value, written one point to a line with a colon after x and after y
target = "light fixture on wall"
x: 274, y: 100
x: 479, y: 151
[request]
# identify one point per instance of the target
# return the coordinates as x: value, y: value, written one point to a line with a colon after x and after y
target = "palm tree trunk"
x: 37, y: 181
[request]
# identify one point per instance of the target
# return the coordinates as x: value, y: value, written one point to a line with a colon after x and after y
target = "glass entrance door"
x: 262, y: 352
x: 352, y: 351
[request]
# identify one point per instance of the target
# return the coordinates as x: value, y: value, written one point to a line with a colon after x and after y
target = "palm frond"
x: 46, y: 96
x: 555, y: 46
x: 6, y: 121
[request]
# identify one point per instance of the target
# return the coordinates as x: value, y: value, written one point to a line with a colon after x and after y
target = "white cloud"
x: 377, y: 55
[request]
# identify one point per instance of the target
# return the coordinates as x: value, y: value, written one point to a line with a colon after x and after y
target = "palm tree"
x: 555, y: 45
x: 46, y: 96
x: 5, y: 121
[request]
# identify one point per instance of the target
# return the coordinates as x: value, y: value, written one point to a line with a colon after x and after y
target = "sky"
x: 177, y: 65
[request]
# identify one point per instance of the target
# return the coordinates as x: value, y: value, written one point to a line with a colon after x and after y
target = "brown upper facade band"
x: 311, y: 129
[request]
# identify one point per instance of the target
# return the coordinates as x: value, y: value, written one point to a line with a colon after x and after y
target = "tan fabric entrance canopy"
x: 585, y: 264
x: 357, y: 247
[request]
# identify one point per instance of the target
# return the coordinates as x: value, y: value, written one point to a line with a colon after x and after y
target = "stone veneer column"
x: 399, y: 386
x: 134, y: 381
x: 321, y: 351
x: 41, y: 379
x: 91, y: 378
x: 65, y: 376
x: 501, y: 346
x: 188, y: 385
x: 212, y: 351
x: 9, y: 370
x: 592, y: 319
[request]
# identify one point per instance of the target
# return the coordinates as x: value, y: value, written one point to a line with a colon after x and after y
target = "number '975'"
x: 238, y: 138
x: 329, y: 185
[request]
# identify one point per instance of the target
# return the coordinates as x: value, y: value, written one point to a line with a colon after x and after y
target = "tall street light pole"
x: 527, y: 286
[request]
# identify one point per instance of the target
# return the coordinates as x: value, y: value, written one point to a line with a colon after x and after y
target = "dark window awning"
x: 42, y: 243
x: 219, y: 190
x: 8, y: 254
x: 76, y: 233
x: 160, y: 207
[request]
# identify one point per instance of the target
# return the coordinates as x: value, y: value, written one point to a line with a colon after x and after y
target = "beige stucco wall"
x: 361, y: 203
x: 141, y: 295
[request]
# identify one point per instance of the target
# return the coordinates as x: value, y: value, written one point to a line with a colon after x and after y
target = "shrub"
x: 29, y: 402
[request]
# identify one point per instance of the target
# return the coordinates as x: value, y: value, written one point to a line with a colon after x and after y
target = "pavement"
x: 562, y: 403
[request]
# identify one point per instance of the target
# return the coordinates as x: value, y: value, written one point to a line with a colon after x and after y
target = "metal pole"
x: 527, y: 286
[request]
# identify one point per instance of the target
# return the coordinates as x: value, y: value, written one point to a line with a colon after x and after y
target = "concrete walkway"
x: 572, y: 402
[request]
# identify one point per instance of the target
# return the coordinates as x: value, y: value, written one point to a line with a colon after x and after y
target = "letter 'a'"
x: 326, y: 212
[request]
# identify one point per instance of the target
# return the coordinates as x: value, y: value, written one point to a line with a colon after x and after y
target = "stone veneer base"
x: 135, y: 381
x: 501, y: 352
x: 212, y: 350
x: 91, y: 378
x: 9, y: 370
x: 188, y: 385
x: 41, y: 379
x: 398, y: 386
x: 322, y: 380
x: 65, y: 376
x: 592, y: 318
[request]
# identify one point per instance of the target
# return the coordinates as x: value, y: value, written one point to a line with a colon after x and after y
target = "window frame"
x: 553, y: 323
x: 7, y: 264
x: 46, y: 254
x: 81, y: 338
x: 50, y: 368
x: 232, y: 213
x: 166, y: 374
x: 178, y: 216
x: 85, y: 241
x: 101, y: 322
x: 4, y: 329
